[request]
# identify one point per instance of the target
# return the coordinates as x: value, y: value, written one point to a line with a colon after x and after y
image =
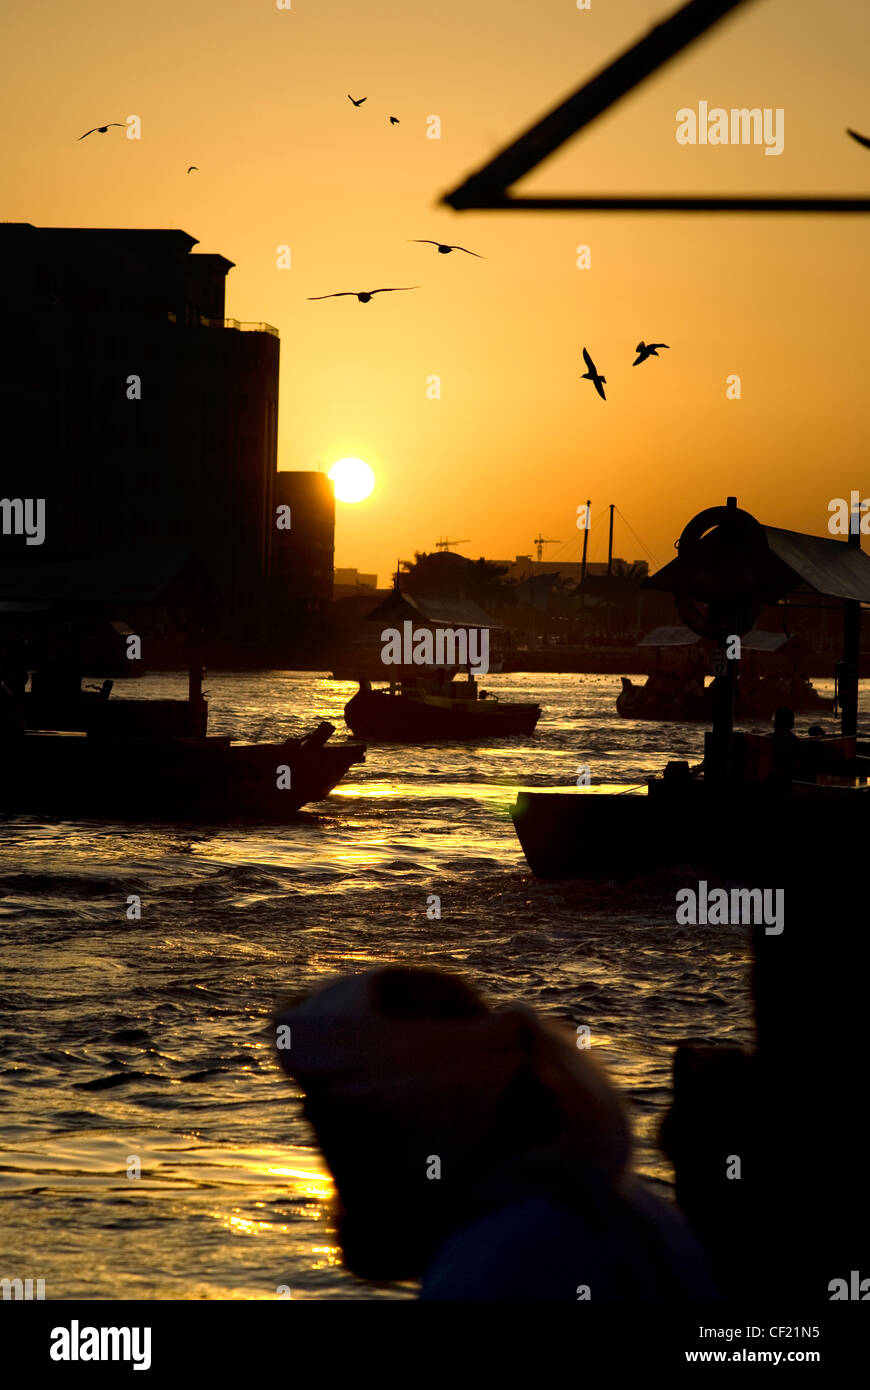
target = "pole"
x: 610, y: 542
x: 847, y: 683
x: 196, y: 706
x: 585, y: 542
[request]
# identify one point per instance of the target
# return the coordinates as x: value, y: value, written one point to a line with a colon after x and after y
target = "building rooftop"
x: 146, y: 240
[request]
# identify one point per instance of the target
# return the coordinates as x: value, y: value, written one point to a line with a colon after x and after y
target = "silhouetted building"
x: 302, y: 556
x: 144, y: 418
x: 348, y: 582
x: 524, y: 567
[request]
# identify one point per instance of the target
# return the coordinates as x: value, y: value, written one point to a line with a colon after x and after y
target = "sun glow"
x: 352, y: 479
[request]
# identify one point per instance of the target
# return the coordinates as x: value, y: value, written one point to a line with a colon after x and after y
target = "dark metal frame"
x: 487, y: 188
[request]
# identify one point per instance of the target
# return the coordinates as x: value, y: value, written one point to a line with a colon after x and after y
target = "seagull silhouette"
x: 444, y: 250
x: 356, y: 103
x: 192, y: 167
x: 394, y: 120
x: 364, y: 295
x: 645, y: 350
x: 598, y: 382
x: 862, y: 139
x: 101, y: 129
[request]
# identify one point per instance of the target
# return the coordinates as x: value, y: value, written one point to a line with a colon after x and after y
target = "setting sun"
x: 352, y: 479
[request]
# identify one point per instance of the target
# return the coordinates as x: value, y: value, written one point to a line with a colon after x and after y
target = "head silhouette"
x: 783, y: 720
x: 428, y: 1104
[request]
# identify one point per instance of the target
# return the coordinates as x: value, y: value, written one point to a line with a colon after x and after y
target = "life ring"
x: 724, y: 570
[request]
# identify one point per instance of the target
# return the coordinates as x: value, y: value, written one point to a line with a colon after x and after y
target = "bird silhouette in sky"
x: 394, y: 120
x: 862, y: 139
x: 364, y: 295
x: 356, y: 103
x: 193, y: 167
x: 645, y: 350
x: 100, y: 129
x: 445, y: 249
x: 592, y: 375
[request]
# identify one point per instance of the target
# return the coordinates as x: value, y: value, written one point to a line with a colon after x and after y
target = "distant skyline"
x: 561, y: 557
x: 517, y: 440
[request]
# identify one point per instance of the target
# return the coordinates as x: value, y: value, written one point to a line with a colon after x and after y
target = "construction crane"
x: 445, y: 544
x: 540, y: 542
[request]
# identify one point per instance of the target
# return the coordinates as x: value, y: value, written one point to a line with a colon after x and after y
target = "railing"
x: 201, y: 322
x: 247, y: 327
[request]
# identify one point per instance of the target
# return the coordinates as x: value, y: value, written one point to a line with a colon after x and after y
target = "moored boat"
x: 675, y: 687
x: 76, y: 753
x: 420, y: 711
x: 77, y: 776
x: 757, y: 802
x: 613, y: 832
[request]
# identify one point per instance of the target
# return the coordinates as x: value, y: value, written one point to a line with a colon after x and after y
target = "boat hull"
x: 577, y: 833
x: 639, y: 702
x: 76, y: 777
x: 378, y: 716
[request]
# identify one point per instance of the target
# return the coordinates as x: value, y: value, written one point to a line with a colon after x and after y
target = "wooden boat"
x: 748, y: 827
x: 79, y: 754
x: 424, y: 702
x: 663, y: 698
x: 675, y: 689
x: 93, y: 712
x: 757, y: 803
x: 666, y: 698
x: 429, y: 711
x: 80, y: 776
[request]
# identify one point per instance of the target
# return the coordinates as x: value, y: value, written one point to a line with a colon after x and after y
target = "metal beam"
x: 735, y: 203
x: 487, y: 188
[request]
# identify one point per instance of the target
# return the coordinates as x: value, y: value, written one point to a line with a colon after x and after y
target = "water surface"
x: 148, y: 1040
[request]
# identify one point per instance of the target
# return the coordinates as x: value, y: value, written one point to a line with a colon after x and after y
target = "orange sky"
x: 256, y: 97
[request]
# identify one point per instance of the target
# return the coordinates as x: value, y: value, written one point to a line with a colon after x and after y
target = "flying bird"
x: 394, y: 120
x: 445, y: 250
x: 101, y: 129
x: 598, y: 382
x: 645, y: 350
x: 364, y: 295
x: 356, y: 103
x: 192, y: 168
x: 862, y: 139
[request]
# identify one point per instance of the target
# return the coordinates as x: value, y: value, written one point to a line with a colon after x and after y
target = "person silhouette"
x: 786, y: 747
x: 480, y: 1150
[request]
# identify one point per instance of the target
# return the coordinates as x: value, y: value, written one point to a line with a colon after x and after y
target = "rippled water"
x: 147, y: 1039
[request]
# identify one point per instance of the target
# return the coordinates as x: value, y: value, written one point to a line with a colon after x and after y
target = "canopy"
x: 437, y: 612
x: 827, y: 566
x: 754, y: 640
x: 798, y: 561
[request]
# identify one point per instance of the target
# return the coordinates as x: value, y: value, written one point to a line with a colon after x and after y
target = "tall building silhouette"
x: 302, y: 558
x: 146, y: 419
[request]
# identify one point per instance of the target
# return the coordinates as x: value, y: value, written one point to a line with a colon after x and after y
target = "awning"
x: 437, y: 612
x: 829, y: 567
x: 754, y: 640
x: 798, y: 561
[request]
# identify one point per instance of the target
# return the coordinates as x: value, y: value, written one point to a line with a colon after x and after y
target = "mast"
x: 847, y: 674
x: 585, y: 542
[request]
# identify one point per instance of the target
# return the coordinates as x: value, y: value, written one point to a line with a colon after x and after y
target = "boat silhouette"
x: 753, y: 800
x: 435, y: 708
x: 78, y: 754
